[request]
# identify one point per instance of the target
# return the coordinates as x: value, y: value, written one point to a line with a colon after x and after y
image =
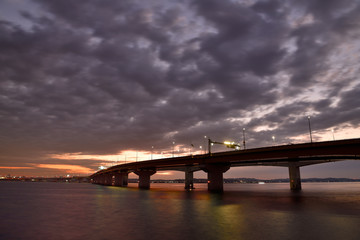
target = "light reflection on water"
x: 167, y: 211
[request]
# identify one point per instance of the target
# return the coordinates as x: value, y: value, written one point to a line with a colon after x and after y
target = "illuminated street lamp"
x: 205, y: 144
x: 226, y: 143
x: 232, y: 145
x: 152, y: 148
x: 310, y: 129
x: 273, y: 138
x: 332, y: 130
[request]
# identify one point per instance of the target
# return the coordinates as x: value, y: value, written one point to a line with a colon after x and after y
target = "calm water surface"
x: 243, y: 211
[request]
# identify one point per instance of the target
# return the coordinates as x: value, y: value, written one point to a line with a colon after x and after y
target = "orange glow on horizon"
x: 16, y: 167
x: 68, y: 168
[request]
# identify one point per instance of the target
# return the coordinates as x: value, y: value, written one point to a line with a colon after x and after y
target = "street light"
x: 226, y: 143
x: 192, y: 146
x: 244, y: 138
x: 173, y: 148
x: 152, y: 148
x: 310, y: 129
x: 332, y: 130
x: 273, y: 138
x: 205, y: 144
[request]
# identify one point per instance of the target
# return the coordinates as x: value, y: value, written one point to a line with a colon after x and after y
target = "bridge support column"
x: 189, y: 179
x: 102, y: 179
x: 121, y: 179
x: 98, y: 179
x: 215, y: 176
x: 108, y: 179
x: 294, y: 175
x: 144, y: 177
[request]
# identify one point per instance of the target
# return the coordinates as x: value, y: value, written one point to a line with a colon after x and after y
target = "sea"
x: 51, y: 211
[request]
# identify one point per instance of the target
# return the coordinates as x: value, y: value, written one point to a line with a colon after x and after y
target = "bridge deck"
x: 304, y: 154
x: 215, y: 164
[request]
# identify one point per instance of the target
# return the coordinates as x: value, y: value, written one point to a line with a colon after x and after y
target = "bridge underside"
x: 215, y: 171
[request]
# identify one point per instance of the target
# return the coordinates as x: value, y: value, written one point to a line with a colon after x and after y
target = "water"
x: 243, y: 211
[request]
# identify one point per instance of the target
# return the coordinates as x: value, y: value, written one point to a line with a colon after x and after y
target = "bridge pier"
x: 294, y: 175
x: 100, y: 179
x: 215, y: 176
x: 108, y: 179
x: 189, y: 179
x: 144, y: 177
x: 120, y: 179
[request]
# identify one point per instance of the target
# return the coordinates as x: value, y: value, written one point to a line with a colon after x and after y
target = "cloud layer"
x: 100, y: 77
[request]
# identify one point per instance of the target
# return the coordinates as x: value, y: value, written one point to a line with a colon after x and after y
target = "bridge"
x: 292, y: 156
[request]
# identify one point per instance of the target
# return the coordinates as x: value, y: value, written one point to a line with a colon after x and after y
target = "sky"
x: 85, y: 84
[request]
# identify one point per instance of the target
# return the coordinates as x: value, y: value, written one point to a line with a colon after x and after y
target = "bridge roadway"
x: 292, y: 156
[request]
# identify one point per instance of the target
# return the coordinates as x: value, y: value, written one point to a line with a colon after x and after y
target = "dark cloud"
x: 105, y: 76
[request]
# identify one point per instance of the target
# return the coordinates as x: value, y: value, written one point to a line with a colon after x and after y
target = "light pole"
x: 332, y: 130
x: 273, y: 138
x: 310, y: 129
x: 205, y: 144
x: 173, y: 149
x: 244, y: 138
x: 152, y: 148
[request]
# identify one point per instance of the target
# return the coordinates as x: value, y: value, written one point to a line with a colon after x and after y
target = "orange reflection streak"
x: 67, y: 168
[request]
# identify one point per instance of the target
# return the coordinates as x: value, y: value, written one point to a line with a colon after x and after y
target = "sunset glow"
x: 67, y: 168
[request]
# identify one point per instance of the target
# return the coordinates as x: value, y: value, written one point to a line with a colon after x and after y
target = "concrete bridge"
x: 291, y: 156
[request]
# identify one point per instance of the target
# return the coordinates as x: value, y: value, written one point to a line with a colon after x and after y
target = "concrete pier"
x: 144, y: 177
x: 120, y: 179
x: 294, y: 175
x: 189, y: 179
x: 215, y: 176
x: 108, y: 179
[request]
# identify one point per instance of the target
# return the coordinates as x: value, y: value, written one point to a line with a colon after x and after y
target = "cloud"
x: 101, y: 78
